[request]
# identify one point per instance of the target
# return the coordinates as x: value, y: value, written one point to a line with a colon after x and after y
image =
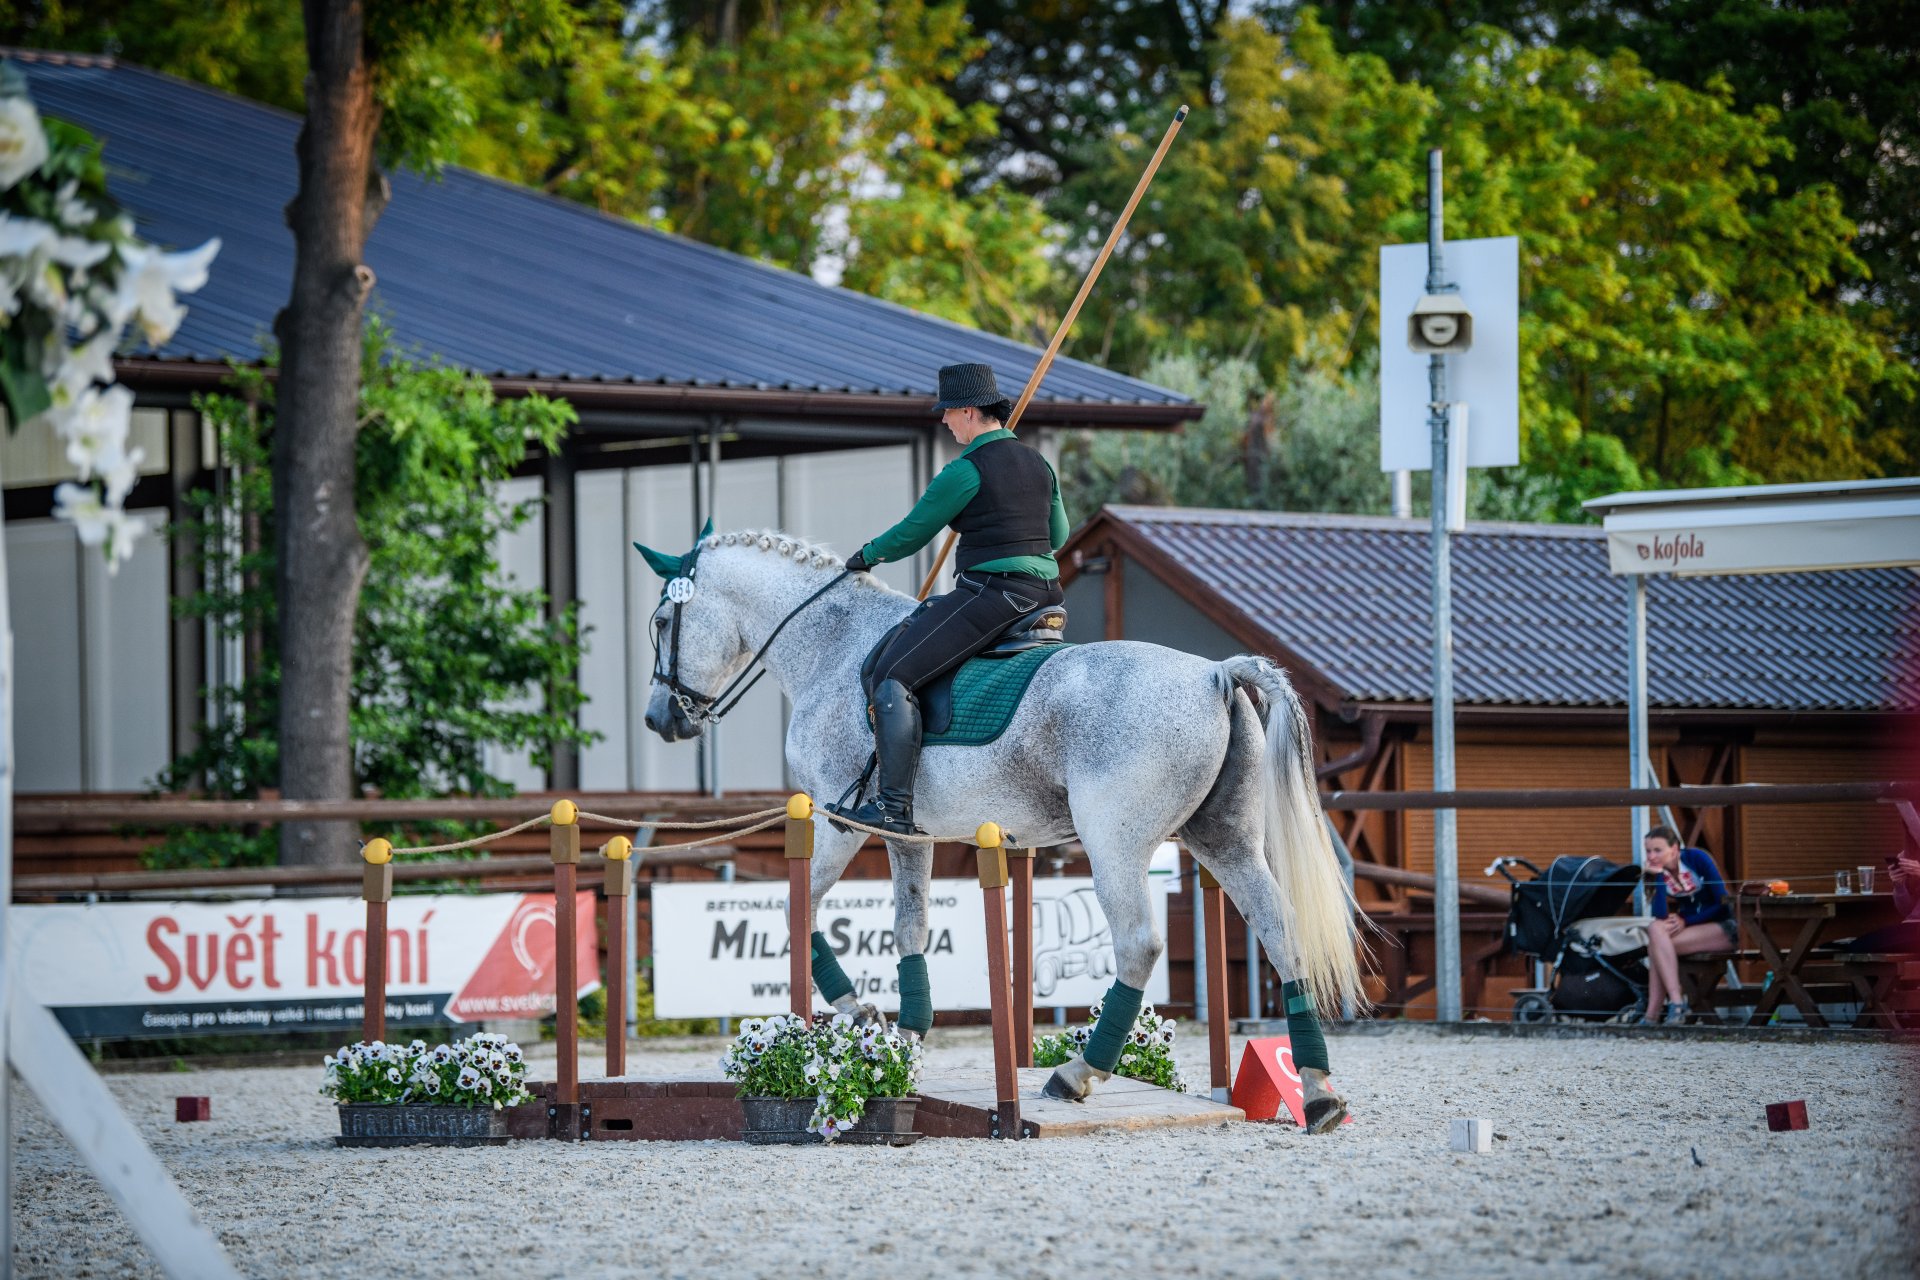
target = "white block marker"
x: 1472, y: 1135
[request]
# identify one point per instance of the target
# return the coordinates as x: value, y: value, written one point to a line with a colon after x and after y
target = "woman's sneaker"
x: 1676, y: 1014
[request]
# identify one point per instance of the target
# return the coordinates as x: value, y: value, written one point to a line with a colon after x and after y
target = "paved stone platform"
x: 955, y: 1103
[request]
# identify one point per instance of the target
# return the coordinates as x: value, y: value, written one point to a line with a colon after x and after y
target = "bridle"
x: 700, y: 708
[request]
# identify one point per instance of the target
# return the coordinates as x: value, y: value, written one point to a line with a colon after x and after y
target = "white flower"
x: 752, y: 1027
x: 468, y: 1078
x: 433, y: 1084
x: 96, y: 427
x: 393, y: 1075
x: 23, y: 143
x: 418, y: 1046
x: 149, y: 279
x: 71, y: 212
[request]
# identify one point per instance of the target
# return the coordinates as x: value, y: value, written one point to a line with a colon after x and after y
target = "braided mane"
x: 787, y: 547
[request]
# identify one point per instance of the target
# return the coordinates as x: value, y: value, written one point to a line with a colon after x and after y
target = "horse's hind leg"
x: 1225, y: 835
x: 1122, y: 856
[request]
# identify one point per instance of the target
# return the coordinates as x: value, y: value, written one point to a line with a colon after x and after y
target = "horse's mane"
x: 799, y: 550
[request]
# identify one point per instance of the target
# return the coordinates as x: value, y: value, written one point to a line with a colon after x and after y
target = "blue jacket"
x: 1703, y: 895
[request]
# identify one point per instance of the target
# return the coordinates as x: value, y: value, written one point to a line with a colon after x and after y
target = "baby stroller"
x: 1568, y: 918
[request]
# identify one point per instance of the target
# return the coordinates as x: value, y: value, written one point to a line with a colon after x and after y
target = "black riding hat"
x: 967, y: 386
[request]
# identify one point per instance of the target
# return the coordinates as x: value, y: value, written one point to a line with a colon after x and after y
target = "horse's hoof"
x: 1323, y: 1108
x: 1057, y: 1086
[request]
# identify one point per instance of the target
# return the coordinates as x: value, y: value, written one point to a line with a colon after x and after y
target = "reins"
x: 701, y: 707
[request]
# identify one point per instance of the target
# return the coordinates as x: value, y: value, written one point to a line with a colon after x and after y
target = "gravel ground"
x: 1594, y: 1177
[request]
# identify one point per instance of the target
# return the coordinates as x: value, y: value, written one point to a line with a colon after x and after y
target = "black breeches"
x: 955, y: 626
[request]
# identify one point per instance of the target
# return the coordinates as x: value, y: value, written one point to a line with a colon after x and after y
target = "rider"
x: 1001, y: 496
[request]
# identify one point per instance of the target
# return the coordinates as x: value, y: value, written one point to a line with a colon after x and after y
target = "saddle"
x: 1036, y: 630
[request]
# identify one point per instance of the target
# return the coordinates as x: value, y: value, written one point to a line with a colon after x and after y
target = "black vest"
x: 1010, y: 516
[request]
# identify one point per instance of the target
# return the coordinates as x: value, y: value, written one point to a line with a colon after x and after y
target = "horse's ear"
x: 664, y: 565
x: 705, y: 533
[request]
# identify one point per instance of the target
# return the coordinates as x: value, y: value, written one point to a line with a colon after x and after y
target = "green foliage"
x: 1147, y: 1055
x: 449, y: 656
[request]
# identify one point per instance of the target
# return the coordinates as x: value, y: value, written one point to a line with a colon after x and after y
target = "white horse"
x: 1119, y: 743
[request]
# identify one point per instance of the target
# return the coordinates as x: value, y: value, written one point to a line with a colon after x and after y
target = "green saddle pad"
x: 986, y: 692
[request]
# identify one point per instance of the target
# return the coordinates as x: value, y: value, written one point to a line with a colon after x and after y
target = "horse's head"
x: 715, y: 595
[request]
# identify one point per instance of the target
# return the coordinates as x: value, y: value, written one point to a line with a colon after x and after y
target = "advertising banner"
x: 122, y: 969
x: 720, y: 948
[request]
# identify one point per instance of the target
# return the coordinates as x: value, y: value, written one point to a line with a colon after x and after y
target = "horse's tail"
x: 1317, y: 908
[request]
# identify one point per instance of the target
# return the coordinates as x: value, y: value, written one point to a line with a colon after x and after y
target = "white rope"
x: 477, y: 840
x: 683, y: 826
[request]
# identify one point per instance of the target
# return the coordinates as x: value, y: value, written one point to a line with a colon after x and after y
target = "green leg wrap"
x: 827, y: 973
x: 1109, y: 1037
x: 1303, y: 1028
x: 916, y: 995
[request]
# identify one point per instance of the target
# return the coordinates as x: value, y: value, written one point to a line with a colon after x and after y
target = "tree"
x: 375, y: 92
x: 448, y: 656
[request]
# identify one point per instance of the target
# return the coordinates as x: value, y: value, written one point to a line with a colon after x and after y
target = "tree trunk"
x: 320, y: 558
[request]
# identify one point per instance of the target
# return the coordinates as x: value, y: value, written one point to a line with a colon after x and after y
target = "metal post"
x: 1446, y: 852
x: 1256, y: 1006
x: 563, y: 1118
x: 619, y: 888
x: 800, y: 903
x: 726, y: 876
x: 1200, y: 994
x: 701, y: 773
x: 1403, y: 495
x: 376, y: 890
x: 710, y: 740
x: 1020, y: 867
x: 1059, y: 1010
x: 1639, y: 756
x: 992, y: 863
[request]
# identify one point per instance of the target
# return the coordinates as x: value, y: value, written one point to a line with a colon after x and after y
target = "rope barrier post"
x: 376, y: 889
x: 1005, y: 1117
x: 1214, y: 908
x: 619, y: 886
x: 564, y: 1116
x: 800, y: 903
x: 1020, y: 866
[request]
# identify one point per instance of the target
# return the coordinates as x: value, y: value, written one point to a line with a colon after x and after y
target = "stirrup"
x: 875, y: 814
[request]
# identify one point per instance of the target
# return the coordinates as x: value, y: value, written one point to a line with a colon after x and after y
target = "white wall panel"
x: 659, y: 514
x: 845, y: 498
x: 521, y: 557
x: 43, y: 592
x: 125, y: 620
x: 602, y: 553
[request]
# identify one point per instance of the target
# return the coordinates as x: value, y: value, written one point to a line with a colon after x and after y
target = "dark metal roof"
x: 1538, y: 620
x: 513, y: 283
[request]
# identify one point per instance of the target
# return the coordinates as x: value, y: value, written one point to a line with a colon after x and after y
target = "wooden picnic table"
x: 1790, y: 932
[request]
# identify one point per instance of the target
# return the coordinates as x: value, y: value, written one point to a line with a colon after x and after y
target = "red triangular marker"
x: 1266, y: 1079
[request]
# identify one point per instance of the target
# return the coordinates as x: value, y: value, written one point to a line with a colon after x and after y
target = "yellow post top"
x: 565, y: 813
x: 618, y: 849
x: 988, y: 836
x: 799, y: 806
x: 377, y: 852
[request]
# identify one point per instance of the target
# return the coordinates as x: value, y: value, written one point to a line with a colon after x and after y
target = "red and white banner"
x: 291, y: 964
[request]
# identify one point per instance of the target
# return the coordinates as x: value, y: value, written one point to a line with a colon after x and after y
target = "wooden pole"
x: 800, y: 903
x: 376, y: 889
x: 563, y: 1119
x: 1073, y: 312
x: 618, y: 853
x: 992, y: 861
x: 1020, y: 867
x: 1215, y: 907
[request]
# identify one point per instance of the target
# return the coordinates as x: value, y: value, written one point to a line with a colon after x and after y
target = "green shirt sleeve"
x: 1057, y: 526
x: 944, y: 499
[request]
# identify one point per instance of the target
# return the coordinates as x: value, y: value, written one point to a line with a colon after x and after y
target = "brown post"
x: 619, y: 855
x: 376, y: 888
x: 1020, y: 866
x: 992, y: 861
x: 563, y: 1118
x: 800, y: 903
x: 1218, y: 1015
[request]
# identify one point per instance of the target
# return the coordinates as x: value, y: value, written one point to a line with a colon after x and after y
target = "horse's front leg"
x: 912, y: 882
x: 832, y: 851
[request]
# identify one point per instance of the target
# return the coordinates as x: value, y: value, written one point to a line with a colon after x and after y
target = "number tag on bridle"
x: 680, y: 590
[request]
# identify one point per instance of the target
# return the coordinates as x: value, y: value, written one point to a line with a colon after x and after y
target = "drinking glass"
x: 1843, y: 882
x: 1865, y: 875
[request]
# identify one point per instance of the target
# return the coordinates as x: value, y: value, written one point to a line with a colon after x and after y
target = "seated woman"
x: 1691, y: 915
x: 1001, y: 496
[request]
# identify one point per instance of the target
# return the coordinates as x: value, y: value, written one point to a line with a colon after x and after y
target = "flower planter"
x: 412, y: 1124
x: 781, y: 1121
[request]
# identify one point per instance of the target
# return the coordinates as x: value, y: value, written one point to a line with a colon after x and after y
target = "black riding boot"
x: 896, y: 741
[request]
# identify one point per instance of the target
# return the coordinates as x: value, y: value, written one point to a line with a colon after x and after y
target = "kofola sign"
x: 259, y: 965
x: 720, y: 947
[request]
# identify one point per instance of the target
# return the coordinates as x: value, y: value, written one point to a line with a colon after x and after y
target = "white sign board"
x: 720, y: 948
x: 290, y: 964
x: 1486, y: 378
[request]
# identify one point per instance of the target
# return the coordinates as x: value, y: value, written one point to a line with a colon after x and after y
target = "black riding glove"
x: 857, y: 562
